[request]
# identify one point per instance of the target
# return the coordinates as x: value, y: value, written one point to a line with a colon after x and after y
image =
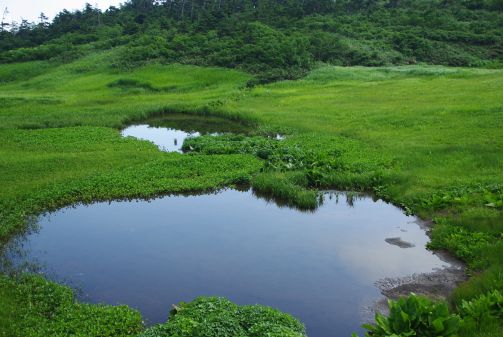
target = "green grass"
x: 441, y: 126
x: 41, y: 308
x: 426, y: 138
x: 82, y: 93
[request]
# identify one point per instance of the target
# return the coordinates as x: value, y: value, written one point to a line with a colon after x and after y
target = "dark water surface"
x: 319, y: 266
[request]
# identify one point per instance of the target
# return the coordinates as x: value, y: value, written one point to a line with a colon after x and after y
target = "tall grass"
x: 285, y: 191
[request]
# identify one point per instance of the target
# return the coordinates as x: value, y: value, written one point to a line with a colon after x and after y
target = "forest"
x: 273, y: 39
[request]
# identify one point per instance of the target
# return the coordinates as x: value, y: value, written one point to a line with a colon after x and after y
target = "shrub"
x: 218, y: 317
x: 483, y: 310
x: 415, y: 316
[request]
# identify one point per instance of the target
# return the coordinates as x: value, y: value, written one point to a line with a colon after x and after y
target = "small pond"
x: 318, y: 266
x: 169, y: 132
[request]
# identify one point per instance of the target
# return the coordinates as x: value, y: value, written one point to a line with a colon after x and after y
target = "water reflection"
x: 166, y: 139
x: 319, y: 266
x: 170, y: 131
x: 15, y: 255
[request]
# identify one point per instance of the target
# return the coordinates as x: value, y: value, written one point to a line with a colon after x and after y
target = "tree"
x: 43, y: 20
x: 4, y: 25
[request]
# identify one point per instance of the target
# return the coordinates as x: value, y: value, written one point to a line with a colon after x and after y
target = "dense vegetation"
x: 41, y: 308
x: 417, y: 316
x: 274, y: 39
x: 427, y: 138
x: 218, y: 317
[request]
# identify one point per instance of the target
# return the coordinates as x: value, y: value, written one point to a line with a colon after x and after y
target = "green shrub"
x: 483, y: 310
x: 218, y: 317
x: 415, y: 316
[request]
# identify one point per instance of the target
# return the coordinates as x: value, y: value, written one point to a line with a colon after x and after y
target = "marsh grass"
x: 425, y: 138
x: 284, y: 189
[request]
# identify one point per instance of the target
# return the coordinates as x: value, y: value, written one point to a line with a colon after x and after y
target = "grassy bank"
x: 426, y: 138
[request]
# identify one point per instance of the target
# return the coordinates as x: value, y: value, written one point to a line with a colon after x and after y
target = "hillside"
x: 273, y: 39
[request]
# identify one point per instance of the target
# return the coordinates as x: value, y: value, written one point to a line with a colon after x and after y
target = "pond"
x: 169, y: 132
x: 319, y: 266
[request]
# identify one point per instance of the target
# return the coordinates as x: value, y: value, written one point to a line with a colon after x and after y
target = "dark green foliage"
x: 218, y: 317
x: 285, y: 188
x: 128, y: 84
x: 272, y: 39
x: 458, y: 197
x: 415, y: 316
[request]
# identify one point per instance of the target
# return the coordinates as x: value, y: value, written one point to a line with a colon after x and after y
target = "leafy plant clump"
x: 487, y: 309
x: 415, y: 316
x: 218, y: 317
x: 259, y: 146
x: 465, y: 244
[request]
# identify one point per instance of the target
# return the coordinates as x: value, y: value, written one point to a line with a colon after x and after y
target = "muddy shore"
x: 436, y: 285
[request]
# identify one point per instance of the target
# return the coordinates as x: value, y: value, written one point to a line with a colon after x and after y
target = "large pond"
x: 318, y: 266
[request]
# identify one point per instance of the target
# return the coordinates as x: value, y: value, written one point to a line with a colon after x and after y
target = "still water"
x: 166, y: 139
x: 318, y: 266
x: 170, y: 131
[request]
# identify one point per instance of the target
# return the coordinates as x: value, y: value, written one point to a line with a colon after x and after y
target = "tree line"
x: 276, y: 39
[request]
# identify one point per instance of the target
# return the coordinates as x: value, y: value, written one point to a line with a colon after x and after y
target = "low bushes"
x: 421, y: 317
x: 415, y: 316
x: 484, y: 310
x: 218, y: 317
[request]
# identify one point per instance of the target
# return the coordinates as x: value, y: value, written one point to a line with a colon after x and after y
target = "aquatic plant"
x: 415, y: 316
x: 218, y: 317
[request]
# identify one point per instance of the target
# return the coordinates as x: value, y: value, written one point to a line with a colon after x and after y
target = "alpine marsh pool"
x: 319, y: 266
x: 170, y: 131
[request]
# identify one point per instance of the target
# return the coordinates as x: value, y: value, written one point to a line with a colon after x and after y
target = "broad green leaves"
x: 415, y: 316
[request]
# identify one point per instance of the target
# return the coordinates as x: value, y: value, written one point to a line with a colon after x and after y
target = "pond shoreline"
x: 436, y: 285
x: 330, y: 220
